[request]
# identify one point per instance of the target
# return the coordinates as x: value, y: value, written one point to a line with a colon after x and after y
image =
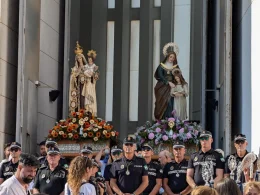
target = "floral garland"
x: 167, y: 131
x: 82, y: 126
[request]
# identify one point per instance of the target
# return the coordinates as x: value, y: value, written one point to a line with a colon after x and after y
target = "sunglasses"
x: 116, y: 153
x: 146, y: 149
x: 127, y: 144
x: 204, y: 138
x: 14, y: 149
x: 240, y: 141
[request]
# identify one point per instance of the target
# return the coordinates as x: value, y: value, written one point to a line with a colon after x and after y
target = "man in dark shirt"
x: 154, y: 171
x: 235, y: 159
x: 205, y: 166
x: 51, y: 179
x: 8, y: 168
x: 129, y: 175
x: 116, y: 153
x: 174, y: 173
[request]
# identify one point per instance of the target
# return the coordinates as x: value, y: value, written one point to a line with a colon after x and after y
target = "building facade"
x: 215, y: 39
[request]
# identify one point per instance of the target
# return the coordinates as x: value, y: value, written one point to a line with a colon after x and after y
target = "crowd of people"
x: 127, y: 171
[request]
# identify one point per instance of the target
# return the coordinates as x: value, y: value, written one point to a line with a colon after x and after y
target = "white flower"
x: 105, y: 132
x: 61, y: 132
x: 99, y: 127
x: 70, y: 123
x: 63, y: 127
x: 85, y: 134
x: 86, y: 119
x: 63, y: 120
x: 91, y: 121
x: 95, y: 129
x: 113, y: 133
x: 81, y: 122
x: 77, y: 113
x: 74, y: 120
x: 70, y: 135
x: 95, y: 139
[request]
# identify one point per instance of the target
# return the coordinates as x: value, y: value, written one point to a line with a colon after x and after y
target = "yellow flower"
x: 81, y: 122
x: 61, y: 132
x: 85, y: 134
x: 113, y: 133
x: 95, y: 139
x: 95, y: 129
x: 74, y: 120
x: 104, y: 132
x: 70, y: 135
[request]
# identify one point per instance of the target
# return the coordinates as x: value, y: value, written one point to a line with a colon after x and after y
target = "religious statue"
x: 165, y: 82
x: 180, y: 92
x: 82, y: 92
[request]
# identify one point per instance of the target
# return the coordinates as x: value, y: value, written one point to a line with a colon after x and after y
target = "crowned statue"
x: 82, y: 92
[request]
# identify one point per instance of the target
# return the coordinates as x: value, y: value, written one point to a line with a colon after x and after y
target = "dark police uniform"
x: 176, y: 174
x: 51, y: 182
x: 107, y: 173
x: 154, y: 172
x: 8, y: 169
x: 136, y: 167
x: 239, y: 161
x: 44, y: 163
x: 200, y: 159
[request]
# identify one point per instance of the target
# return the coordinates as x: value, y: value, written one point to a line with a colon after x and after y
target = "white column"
x: 255, y: 75
x: 182, y: 19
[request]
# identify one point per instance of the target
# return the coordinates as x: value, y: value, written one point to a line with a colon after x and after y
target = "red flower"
x: 76, y: 136
x: 117, y: 133
x: 108, y: 135
x: 90, y: 134
x: 98, y: 134
x: 64, y: 135
x: 74, y: 114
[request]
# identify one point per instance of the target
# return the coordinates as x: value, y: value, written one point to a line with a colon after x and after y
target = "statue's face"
x: 90, y: 61
x: 79, y: 59
x: 177, y: 79
x: 171, y: 58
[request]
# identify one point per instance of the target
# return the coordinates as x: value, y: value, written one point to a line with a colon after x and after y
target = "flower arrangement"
x: 167, y: 131
x: 82, y: 126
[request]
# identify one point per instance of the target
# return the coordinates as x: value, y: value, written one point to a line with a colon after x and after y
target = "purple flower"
x: 171, y: 119
x: 151, y: 136
x: 188, y: 135
x: 174, y: 136
x: 196, y: 132
x: 142, y: 141
x: 165, y: 138
x: 156, y: 142
x: 181, y: 130
x: 173, y: 112
x: 190, y: 128
x: 158, y: 130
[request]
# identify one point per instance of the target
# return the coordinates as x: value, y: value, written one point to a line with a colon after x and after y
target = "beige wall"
x: 9, y: 12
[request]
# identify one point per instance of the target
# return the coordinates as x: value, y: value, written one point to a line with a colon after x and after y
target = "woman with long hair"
x: 227, y: 186
x: 204, y: 190
x: 80, y: 170
x: 163, y: 74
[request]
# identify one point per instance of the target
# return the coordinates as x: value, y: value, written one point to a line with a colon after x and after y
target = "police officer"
x: 96, y: 178
x: 129, y: 175
x: 51, y: 179
x: 240, y: 144
x: 8, y: 168
x: 43, y: 160
x: 155, y: 171
x: 116, y: 153
x: 205, y: 166
x: 174, y: 173
x: 87, y: 152
x: 43, y: 151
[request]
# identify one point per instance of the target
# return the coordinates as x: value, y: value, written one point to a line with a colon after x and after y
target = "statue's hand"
x: 171, y: 85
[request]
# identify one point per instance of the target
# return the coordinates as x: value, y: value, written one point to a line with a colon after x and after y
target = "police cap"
x: 50, y: 142
x: 178, y: 144
x: 146, y: 145
x: 87, y: 149
x: 15, y: 145
x: 129, y: 140
x: 240, y: 137
x: 116, y: 149
x: 205, y: 133
x: 53, y: 150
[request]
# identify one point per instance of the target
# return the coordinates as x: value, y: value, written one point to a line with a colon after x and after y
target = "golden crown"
x: 92, y: 53
x: 78, y: 48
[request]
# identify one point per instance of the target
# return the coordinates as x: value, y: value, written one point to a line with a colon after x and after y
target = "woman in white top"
x: 80, y: 170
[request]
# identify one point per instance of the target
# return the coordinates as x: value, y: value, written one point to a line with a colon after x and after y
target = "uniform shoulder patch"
x: 43, y: 167
x: 5, y: 162
x: 145, y: 167
x: 222, y: 159
x: 41, y: 157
